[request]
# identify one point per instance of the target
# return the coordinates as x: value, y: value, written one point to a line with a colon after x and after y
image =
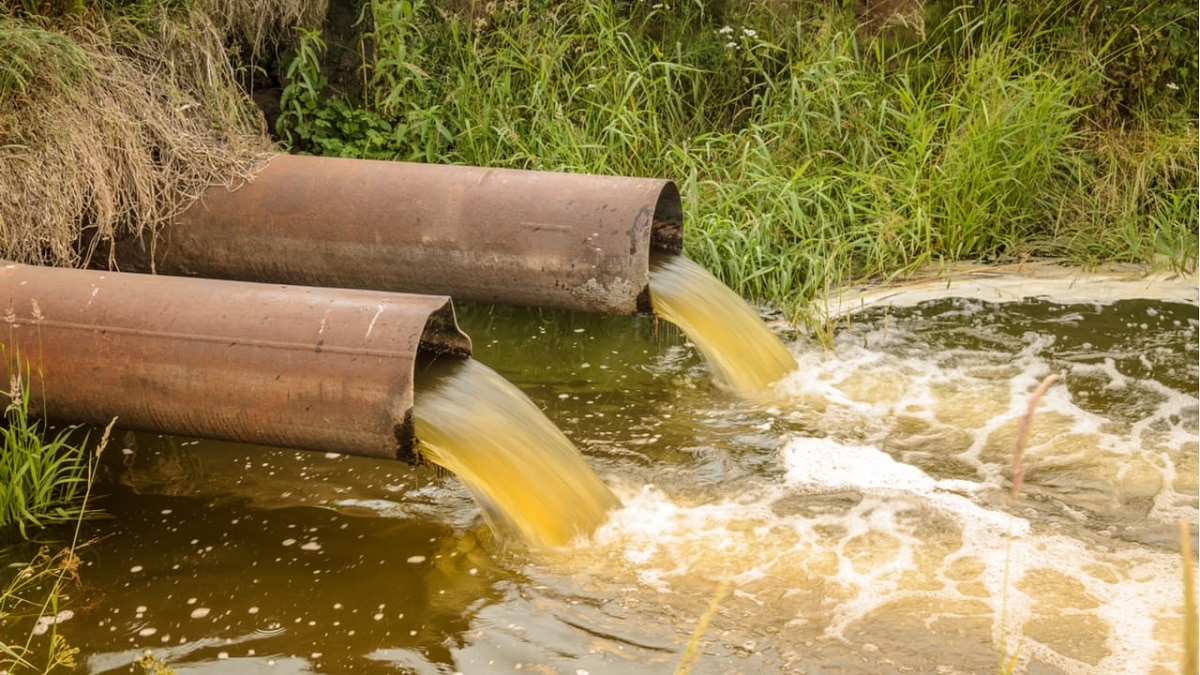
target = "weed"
x: 153, y: 665
x: 41, y: 481
x: 38, y: 590
x: 1191, y: 624
x: 692, y: 653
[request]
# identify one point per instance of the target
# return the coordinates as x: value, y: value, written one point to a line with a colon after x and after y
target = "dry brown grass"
x: 110, y: 126
x: 260, y: 24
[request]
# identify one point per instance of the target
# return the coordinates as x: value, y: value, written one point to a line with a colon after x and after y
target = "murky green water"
x: 860, y: 518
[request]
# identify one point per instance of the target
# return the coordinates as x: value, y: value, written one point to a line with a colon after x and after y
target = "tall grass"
x: 42, y: 478
x: 43, y: 481
x: 809, y: 154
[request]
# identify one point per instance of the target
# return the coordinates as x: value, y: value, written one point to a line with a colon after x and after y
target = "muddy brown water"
x: 858, y: 517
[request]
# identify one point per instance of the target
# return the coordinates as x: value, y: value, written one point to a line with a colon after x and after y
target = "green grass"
x: 42, y: 479
x: 808, y: 154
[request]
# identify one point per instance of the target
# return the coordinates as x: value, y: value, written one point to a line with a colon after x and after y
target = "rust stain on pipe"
x: 308, y: 368
x: 533, y: 238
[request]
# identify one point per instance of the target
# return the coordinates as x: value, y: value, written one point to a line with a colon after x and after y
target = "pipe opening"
x: 441, y: 342
x: 442, y: 336
x: 666, y: 232
x: 666, y: 237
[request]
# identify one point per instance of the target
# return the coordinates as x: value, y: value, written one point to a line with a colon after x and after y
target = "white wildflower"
x: 725, y: 30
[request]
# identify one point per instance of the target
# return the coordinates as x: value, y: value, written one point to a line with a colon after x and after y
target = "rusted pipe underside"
x: 309, y: 368
x: 490, y: 235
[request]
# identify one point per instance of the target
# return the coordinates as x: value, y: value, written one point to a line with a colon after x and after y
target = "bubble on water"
x: 45, y: 622
x: 200, y: 612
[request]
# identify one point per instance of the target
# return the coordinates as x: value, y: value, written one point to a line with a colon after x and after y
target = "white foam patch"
x: 820, y: 464
x: 673, y: 548
x: 892, y: 524
x: 1018, y: 282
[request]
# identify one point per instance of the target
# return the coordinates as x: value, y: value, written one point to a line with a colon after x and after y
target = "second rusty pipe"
x: 307, y: 368
x: 534, y: 238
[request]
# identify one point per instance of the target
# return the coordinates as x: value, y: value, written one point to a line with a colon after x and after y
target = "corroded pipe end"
x: 309, y: 368
x: 534, y: 238
x: 666, y: 234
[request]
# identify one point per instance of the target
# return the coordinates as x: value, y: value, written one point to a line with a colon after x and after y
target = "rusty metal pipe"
x: 299, y: 367
x: 490, y: 235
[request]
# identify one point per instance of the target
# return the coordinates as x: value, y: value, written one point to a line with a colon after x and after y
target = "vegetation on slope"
x: 812, y: 150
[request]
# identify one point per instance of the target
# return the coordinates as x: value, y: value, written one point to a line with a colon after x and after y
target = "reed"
x: 1009, y: 657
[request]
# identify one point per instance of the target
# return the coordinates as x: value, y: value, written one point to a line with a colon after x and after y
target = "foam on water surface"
x: 892, y: 513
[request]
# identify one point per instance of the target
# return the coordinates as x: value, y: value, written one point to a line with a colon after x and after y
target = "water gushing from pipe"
x: 527, y: 477
x: 745, y: 356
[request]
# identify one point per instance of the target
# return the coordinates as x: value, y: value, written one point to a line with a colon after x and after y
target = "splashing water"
x: 527, y: 477
x: 745, y: 356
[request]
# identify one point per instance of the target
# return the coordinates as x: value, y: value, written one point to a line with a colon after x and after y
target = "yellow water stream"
x: 527, y: 477
x: 530, y: 481
x: 745, y: 356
